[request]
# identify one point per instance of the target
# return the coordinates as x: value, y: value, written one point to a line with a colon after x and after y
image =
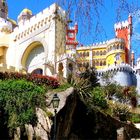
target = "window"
x: 117, y: 56
x: 87, y: 53
x: 97, y: 53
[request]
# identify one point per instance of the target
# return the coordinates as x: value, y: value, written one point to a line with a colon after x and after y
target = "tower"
x: 123, y: 30
x: 71, y: 41
x: 3, y: 9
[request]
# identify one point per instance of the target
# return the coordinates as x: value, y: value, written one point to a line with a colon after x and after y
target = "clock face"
x: 71, y: 35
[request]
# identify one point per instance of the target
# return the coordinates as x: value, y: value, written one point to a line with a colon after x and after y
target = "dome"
x: 25, y: 14
x: 12, y: 21
x: 26, y: 11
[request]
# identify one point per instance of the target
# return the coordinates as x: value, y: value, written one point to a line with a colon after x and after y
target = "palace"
x: 45, y: 44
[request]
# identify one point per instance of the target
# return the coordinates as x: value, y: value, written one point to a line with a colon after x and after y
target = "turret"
x: 71, y: 41
x: 123, y: 30
x: 25, y: 14
x: 3, y: 9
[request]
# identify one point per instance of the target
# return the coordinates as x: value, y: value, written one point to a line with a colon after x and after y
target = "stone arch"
x: 27, y: 56
x: 33, y: 57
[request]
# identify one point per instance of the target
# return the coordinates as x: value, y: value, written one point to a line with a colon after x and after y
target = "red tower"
x: 124, y: 30
x: 71, y: 33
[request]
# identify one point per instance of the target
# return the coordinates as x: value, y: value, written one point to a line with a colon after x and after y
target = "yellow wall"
x: 101, y: 56
x: 110, y: 59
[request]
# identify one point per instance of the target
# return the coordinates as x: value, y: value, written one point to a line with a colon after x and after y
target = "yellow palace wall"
x: 102, y: 55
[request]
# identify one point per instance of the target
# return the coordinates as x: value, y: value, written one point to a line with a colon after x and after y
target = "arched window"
x: 37, y: 71
x: 87, y: 64
x: 104, y: 63
x: 104, y: 52
x: 93, y: 63
x: 70, y: 66
x: 84, y: 54
x: 97, y: 53
x: 87, y: 53
x: 93, y: 53
x: 111, y: 48
x: 101, y: 53
x: 97, y: 63
x: 107, y: 49
x: 60, y: 66
x: 100, y: 63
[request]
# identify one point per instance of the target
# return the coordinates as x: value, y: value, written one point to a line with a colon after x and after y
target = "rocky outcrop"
x: 76, y: 121
x: 44, y: 125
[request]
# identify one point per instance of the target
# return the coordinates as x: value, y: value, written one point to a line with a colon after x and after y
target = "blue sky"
x: 88, y: 36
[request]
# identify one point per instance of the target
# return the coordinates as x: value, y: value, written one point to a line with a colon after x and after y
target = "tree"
x: 89, y: 13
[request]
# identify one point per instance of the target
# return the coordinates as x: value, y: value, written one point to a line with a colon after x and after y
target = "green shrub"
x: 135, y: 118
x: 18, y: 102
x: 98, y: 97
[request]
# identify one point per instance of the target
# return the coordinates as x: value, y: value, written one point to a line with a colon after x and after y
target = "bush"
x: 98, y: 98
x: 18, y: 102
x: 35, y: 78
x: 135, y: 118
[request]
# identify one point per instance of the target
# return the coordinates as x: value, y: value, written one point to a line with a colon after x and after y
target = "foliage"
x: 87, y: 87
x: 98, y: 98
x: 18, y: 102
x: 35, y: 78
x: 135, y: 118
x: 90, y: 76
x: 85, y: 82
x: 111, y: 90
x: 118, y: 93
x: 119, y: 109
x: 127, y: 95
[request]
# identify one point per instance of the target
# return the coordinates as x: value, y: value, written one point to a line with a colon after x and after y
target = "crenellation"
x: 120, y: 25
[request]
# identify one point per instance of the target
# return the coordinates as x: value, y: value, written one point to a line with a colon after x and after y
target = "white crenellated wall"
x: 46, y: 28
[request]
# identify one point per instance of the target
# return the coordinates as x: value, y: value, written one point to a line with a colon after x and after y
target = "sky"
x: 86, y: 35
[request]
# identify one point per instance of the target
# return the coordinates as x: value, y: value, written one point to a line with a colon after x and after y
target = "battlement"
x: 5, y: 26
x: 121, y: 25
x: 38, y: 21
x: 117, y: 68
x: 101, y: 44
